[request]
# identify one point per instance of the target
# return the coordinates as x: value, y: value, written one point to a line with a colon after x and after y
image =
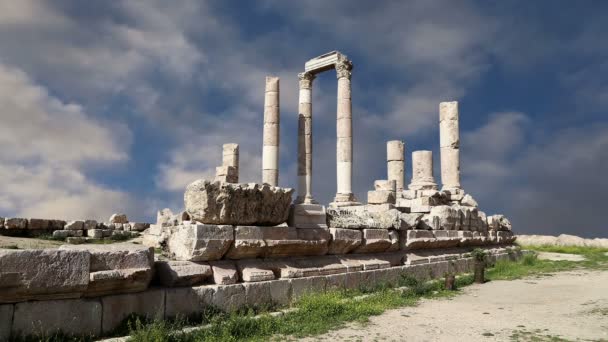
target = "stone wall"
x: 186, y: 288
x: 118, y: 225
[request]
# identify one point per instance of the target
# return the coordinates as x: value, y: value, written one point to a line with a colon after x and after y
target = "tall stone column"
x: 305, y: 139
x: 395, y: 162
x: 450, y: 145
x: 270, y: 152
x: 422, y: 171
x: 344, y: 130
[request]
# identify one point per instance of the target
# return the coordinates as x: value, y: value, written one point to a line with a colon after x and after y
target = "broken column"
x: 449, y: 143
x: 270, y: 153
x: 422, y: 171
x: 229, y: 171
x: 305, y: 139
x: 395, y: 162
x: 344, y: 130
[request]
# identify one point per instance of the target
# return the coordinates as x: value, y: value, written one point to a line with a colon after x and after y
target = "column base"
x: 305, y: 200
x: 344, y: 200
x: 423, y: 186
x: 307, y: 216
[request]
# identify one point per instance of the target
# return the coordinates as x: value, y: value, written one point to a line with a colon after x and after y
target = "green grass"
x: 316, y: 314
x: 530, y: 265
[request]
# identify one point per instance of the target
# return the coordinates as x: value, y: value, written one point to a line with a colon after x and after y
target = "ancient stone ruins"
x: 241, y: 245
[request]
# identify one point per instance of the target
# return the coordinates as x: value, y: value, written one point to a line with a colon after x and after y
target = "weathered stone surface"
x: 537, y: 240
x: 306, y: 215
x: 6, y: 321
x: 344, y: 240
x: 280, y: 291
x: 119, y: 218
x: 418, y: 239
x: 385, y: 185
x: 499, y: 222
x: 185, y: 301
x: 237, y: 204
x: 248, y: 243
x: 45, y: 318
x: 149, y: 304
x: 380, y: 197
x: 62, y: 234
x: 119, y: 268
x: 410, y: 220
x: 15, y: 223
x: 182, y: 273
x: 42, y: 274
x: 394, y: 238
x: 90, y: 224
x: 228, y: 297
x: 38, y: 224
x: 303, y: 286
x: 226, y: 174
x: 254, y: 270
x: 289, y: 241
x: 200, y: 242
x: 139, y: 226
x: 165, y: 218
x: 363, y: 218
x: 224, y: 272
x: 469, y: 201
x: 374, y: 241
x: 74, y: 225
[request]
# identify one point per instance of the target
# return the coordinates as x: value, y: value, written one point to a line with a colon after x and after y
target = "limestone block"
x: 119, y: 218
x: 95, y: 233
x: 254, y: 270
x: 230, y: 155
x: 448, y: 134
x: 186, y: 301
x: 42, y: 274
x: 38, y: 224
x: 62, y: 234
x: 182, y: 273
x: 237, y: 204
x: 45, y: 318
x: 447, y: 216
x: 120, y: 268
x: 420, y: 209
x: 358, y: 263
x: 6, y: 321
x: 410, y: 220
x: 395, y: 150
x: 257, y: 294
x: 374, y: 241
x: 385, y: 185
x: 248, y: 243
x: 15, y: 223
x: 506, y: 236
x: 226, y: 174
x: 74, y: 225
x: 469, y: 201
x: 165, y: 218
x: 280, y: 291
x: 303, y: 286
x: 297, y: 242
x: 344, y: 240
x: 90, y: 224
x: 224, y: 272
x: 307, y: 216
x: 374, y: 208
x: 200, y: 242
x: 419, y: 239
x: 394, y: 238
x: 139, y: 226
x: 228, y: 298
x: 499, y: 222
x: 149, y: 304
x: 380, y: 197
x: 363, y: 218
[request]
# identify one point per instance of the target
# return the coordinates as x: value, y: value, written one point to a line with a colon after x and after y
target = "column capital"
x: 344, y: 68
x: 306, y: 79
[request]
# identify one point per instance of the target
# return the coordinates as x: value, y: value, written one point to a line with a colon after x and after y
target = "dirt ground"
x: 569, y: 305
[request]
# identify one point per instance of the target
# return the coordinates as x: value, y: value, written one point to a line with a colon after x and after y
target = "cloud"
x: 46, y: 147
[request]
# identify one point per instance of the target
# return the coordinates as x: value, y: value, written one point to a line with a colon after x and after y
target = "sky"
x: 116, y: 106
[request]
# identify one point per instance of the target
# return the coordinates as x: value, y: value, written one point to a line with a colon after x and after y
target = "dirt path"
x: 569, y: 305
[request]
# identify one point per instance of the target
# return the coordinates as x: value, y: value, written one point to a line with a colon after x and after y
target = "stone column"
x: 450, y: 145
x: 344, y: 131
x: 422, y: 171
x: 395, y: 161
x: 270, y: 152
x: 230, y: 157
x: 305, y: 139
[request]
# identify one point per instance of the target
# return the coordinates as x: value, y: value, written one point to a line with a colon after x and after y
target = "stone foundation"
x: 291, y: 278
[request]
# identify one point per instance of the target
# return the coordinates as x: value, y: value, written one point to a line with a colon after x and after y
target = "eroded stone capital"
x: 306, y: 79
x: 344, y: 68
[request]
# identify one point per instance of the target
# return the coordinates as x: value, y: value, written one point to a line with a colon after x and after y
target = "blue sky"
x: 116, y: 106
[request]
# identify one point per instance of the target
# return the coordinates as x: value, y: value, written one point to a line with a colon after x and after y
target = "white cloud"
x: 46, y: 144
